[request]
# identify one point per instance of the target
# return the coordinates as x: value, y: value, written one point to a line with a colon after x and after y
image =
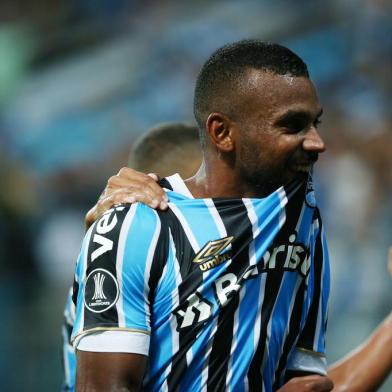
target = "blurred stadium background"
x: 81, y: 79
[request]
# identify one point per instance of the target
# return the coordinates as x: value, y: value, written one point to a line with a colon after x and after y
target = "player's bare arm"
x: 365, y: 369
x: 106, y: 372
x: 314, y: 383
x: 128, y: 186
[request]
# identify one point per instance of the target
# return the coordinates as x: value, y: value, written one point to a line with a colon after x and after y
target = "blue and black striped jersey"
x: 231, y: 292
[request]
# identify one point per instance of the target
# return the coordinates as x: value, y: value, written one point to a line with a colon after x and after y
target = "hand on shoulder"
x: 128, y: 186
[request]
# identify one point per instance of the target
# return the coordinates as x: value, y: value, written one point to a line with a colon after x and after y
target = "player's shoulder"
x: 123, y: 216
x: 122, y: 226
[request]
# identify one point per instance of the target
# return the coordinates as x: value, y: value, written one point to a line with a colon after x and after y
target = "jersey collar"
x: 179, y: 186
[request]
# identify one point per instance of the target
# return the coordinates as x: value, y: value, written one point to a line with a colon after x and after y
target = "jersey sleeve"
x: 112, y: 281
x: 309, y: 353
x: 68, y: 352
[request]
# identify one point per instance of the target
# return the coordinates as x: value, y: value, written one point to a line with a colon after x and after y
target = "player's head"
x: 166, y: 149
x: 256, y: 106
x: 225, y: 73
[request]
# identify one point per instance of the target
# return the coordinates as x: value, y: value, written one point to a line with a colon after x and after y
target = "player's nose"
x: 313, y: 141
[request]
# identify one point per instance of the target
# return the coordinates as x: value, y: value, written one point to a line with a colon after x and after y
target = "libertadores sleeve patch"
x: 101, y: 291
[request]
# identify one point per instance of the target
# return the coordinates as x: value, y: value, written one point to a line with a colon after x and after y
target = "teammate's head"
x: 166, y: 149
x: 260, y: 110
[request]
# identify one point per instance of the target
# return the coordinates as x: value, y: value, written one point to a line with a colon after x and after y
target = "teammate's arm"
x: 105, y: 372
x: 366, y: 368
x: 128, y: 186
x: 314, y: 383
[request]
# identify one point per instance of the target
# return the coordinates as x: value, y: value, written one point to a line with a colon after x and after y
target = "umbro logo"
x: 212, y: 254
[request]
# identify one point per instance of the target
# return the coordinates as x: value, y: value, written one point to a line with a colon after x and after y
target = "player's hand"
x: 128, y: 186
x: 312, y: 383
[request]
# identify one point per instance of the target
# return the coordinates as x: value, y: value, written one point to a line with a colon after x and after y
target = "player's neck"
x: 214, y: 179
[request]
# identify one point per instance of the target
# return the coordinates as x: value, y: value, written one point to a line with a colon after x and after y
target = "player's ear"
x: 220, y: 130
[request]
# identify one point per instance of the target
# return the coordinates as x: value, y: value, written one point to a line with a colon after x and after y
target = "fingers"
x: 120, y: 196
x: 129, y: 178
x: 116, y: 184
x: 131, y: 195
x: 128, y: 186
x: 154, y: 176
x: 90, y: 217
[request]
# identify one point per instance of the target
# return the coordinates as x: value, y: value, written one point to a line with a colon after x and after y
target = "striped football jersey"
x: 221, y: 294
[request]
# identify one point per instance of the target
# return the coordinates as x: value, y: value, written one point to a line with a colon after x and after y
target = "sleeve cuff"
x: 114, y: 342
x: 308, y: 361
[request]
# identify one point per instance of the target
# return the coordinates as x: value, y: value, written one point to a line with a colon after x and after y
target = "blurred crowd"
x: 81, y: 80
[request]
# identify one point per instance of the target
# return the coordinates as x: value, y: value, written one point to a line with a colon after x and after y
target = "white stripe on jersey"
x: 255, y: 229
x: 252, y: 261
x: 204, y: 373
x: 185, y: 226
x: 299, y: 222
x: 234, y: 341
x: 147, y: 271
x: 175, y: 301
x: 120, y: 260
x: 69, y: 311
x: 217, y: 218
x: 223, y: 233
x: 83, y: 278
x: 283, y: 202
x: 179, y: 185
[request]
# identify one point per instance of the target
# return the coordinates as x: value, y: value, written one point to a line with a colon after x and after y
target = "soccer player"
x: 159, y: 149
x: 228, y: 291
x: 362, y: 370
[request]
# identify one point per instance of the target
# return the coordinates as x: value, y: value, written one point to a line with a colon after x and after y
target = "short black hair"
x: 223, y: 71
x: 166, y: 148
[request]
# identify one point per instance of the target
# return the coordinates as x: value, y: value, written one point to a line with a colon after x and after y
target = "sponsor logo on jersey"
x: 101, y: 291
x: 195, y: 310
x: 292, y: 256
x: 104, y: 226
x: 211, y: 254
